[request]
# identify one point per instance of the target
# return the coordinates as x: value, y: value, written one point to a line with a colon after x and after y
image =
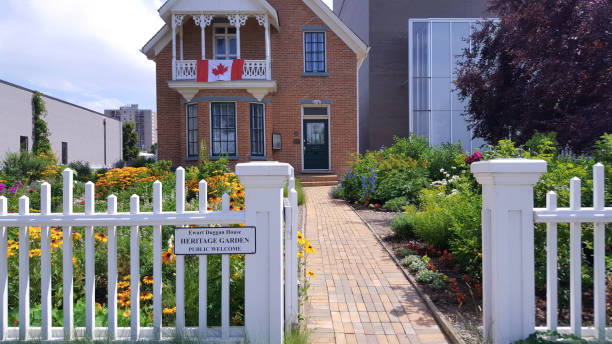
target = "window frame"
x: 210, y: 107
x: 227, y: 37
x: 263, y: 129
x: 187, y: 129
x: 429, y: 22
x: 64, y: 153
x: 22, y: 140
x: 325, y: 71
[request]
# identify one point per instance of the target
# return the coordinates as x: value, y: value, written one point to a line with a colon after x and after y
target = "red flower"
x: 473, y: 158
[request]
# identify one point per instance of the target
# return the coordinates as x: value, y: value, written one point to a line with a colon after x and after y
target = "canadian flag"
x: 219, y: 70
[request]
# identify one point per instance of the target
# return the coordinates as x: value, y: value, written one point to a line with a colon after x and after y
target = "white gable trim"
x: 340, y: 29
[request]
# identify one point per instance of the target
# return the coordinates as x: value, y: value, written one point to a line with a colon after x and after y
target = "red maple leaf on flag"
x: 220, y: 70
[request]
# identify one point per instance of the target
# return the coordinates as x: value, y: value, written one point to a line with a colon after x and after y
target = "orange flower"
x: 127, y: 313
x: 147, y: 280
x: 168, y: 311
x: 35, y: 252
x: 146, y: 296
x: 311, y: 274
x: 101, y: 237
x: 168, y: 257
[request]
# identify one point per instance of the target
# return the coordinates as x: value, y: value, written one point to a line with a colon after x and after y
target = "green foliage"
x: 401, y: 183
x: 403, y: 225
x: 397, y: 204
x: 297, y: 335
x: 602, y: 150
x: 41, y: 133
x: 83, y: 170
x: 550, y: 337
x: 130, y: 141
x: 24, y: 166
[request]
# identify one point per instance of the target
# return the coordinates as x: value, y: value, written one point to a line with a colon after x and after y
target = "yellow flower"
x: 123, y: 285
x: 168, y: 311
x: 101, y: 237
x: 126, y: 314
x: 300, y: 238
x: 74, y: 260
x: 35, y: 252
x: 146, y: 296
x: 35, y: 232
x: 308, y: 248
x: 76, y: 236
x: 300, y: 254
x: 127, y: 277
x: 311, y: 274
x: 147, y: 280
x: 168, y: 257
x: 98, y: 307
x: 236, y: 275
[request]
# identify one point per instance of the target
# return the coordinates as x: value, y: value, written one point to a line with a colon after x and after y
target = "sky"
x: 84, y: 52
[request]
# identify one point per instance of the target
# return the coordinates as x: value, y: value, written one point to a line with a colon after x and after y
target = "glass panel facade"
x: 314, y: 52
x: 435, y: 109
x: 192, y: 130
x: 223, y: 129
x: 257, y: 130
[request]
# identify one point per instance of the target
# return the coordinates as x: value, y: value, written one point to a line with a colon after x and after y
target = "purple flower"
x: 473, y: 158
x: 13, y: 190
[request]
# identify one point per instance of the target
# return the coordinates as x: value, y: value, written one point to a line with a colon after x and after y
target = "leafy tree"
x: 543, y: 66
x: 130, y: 141
x: 40, y: 131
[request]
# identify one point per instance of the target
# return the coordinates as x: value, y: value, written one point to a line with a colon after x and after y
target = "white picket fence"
x: 266, y: 286
x: 508, y: 219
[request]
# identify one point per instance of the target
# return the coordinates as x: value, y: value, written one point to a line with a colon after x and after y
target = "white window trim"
x: 304, y: 49
x: 187, y: 130
x: 329, y: 140
x: 429, y: 21
x: 225, y: 35
x: 264, y: 131
x: 210, y: 126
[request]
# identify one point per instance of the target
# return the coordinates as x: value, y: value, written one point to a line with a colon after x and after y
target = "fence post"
x: 263, y: 182
x: 507, y: 246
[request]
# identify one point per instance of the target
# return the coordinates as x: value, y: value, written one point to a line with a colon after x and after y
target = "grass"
x: 297, y: 335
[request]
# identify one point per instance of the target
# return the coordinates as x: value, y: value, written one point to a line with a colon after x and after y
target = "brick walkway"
x: 359, y: 294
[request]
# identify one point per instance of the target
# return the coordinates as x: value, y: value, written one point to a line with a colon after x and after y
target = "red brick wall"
x: 284, y: 113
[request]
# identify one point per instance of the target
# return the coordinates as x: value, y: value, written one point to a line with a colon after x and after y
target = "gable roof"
x: 163, y: 36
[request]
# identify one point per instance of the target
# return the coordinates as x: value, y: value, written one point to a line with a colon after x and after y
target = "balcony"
x: 252, y: 70
x: 256, y: 74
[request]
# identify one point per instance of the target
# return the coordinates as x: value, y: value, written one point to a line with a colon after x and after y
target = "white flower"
x: 454, y: 168
x: 441, y: 170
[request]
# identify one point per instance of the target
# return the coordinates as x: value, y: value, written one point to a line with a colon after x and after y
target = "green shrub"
x: 402, y: 183
x: 396, y: 204
x: 406, y: 252
x: 82, y: 169
x: 403, y: 224
x: 439, y: 282
x: 442, y: 158
x: 426, y: 276
x: 24, y: 166
x: 300, y: 192
x: 337, y: 192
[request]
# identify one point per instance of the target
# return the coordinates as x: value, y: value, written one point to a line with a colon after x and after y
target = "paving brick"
x: 359, y: 295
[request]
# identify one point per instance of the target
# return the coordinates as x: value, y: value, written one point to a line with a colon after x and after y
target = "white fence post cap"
x: 509, y: 171
x: 264, y: 168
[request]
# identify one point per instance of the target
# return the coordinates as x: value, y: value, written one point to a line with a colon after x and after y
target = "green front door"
x: 316, y: 144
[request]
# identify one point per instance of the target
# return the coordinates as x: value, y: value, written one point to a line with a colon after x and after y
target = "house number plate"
x: 214, y: 240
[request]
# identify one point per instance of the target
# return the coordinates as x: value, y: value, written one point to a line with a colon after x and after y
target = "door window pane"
x: 315, y: 133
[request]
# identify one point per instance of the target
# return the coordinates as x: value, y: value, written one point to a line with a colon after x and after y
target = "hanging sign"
x: 214, y: 240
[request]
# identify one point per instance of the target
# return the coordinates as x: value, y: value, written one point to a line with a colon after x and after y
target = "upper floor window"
x: 314, y: 52
x: 436, y: 48
x: 225, y: 46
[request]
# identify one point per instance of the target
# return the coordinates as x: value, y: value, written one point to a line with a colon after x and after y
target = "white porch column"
x: 263, y: 310
x: 203, y: 21
x: 508, y: 276
x: 237, y: 20
x: 177, y: 20
x: 264, y: 20
x: 181, y: 42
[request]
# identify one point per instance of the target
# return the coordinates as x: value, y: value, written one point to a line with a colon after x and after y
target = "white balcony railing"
x: 253, y: 70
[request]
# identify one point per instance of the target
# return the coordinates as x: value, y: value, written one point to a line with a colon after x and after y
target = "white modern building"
x: 77, y: 133
x: 146, y: 123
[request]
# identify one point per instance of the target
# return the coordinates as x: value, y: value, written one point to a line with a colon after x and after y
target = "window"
x: 64, y: 153
x: 257, y: 130
x: 192, y: 131
x: 314, y: 52
x: 225, y: 42
x: 435, y: 108
x: 316, y: 111
x: 23, y: 143
x: 223, y: 117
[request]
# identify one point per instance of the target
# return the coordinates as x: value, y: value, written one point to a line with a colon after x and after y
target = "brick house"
x: 293, y: 92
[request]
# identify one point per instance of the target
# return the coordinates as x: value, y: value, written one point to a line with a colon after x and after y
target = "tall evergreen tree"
x: 40, y: 131
x: 130, y: 141
x: 544, y: 66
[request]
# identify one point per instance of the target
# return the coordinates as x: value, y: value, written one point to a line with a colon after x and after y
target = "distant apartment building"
x: 77, y: 133
x: 146, y: 123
